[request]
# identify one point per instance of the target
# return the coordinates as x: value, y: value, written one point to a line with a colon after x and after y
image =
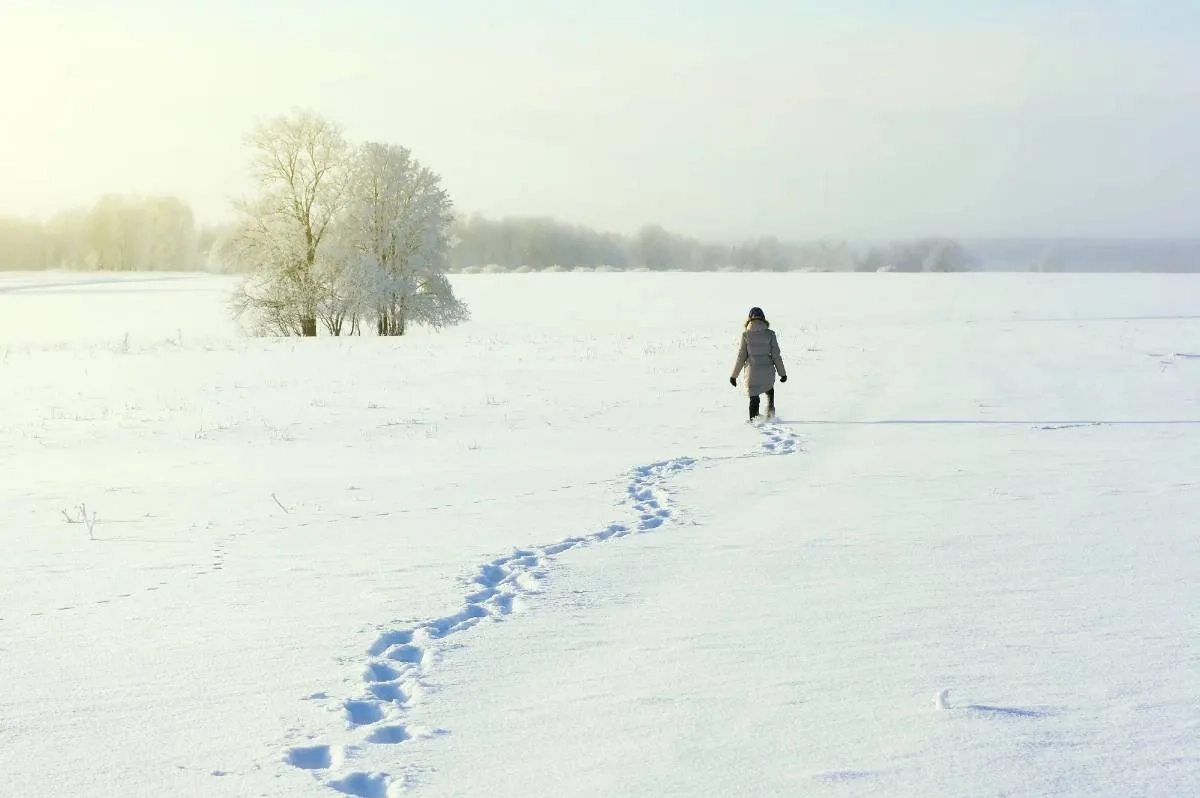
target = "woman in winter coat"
x: 758, y: 354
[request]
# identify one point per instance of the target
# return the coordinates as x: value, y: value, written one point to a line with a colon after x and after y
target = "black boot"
x: 754, y: 407
x: 771, y: 403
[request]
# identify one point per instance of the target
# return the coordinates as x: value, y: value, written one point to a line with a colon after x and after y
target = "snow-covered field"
x: 542, y: 553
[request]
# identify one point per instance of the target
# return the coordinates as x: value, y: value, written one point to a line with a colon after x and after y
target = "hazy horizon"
x: 718, y: 120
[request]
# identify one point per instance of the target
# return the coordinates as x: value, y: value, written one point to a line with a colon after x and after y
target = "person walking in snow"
x: 758, y: 355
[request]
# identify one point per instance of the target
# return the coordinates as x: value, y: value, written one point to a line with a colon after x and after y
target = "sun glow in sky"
x: 717, y: 119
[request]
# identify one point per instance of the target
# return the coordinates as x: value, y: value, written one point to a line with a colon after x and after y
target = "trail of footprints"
x: 777, y: 440
x: 397, y: 664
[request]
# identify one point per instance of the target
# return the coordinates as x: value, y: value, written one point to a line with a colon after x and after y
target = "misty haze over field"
x: 729, y: 125
x: 346, y: 454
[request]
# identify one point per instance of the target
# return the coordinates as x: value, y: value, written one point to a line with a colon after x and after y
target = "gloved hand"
x: 733, y: 381
x: 783, y: 378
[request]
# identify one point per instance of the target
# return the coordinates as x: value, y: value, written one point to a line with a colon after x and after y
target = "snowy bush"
x: 394, y: 244
x: 342, y: 235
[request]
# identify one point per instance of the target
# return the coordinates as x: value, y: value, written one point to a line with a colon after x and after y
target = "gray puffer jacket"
x: 758, y: 354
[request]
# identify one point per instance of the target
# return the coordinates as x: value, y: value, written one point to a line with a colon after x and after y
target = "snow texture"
x: 543, y: 553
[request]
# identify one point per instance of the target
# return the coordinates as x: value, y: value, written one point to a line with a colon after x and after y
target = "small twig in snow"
x: 281, y: 507
x: 89, y: 522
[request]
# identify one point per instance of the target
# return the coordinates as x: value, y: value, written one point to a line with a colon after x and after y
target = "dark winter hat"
x: 757, y: 313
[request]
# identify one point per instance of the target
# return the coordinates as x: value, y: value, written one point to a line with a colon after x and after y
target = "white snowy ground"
x: 541, y: 554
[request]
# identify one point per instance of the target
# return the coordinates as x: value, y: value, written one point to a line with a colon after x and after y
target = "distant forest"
x: 123, y: 233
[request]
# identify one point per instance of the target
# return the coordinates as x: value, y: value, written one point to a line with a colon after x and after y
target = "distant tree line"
x: 535, y: 243
x: 117, y: 233
x: 351, y: 263
x: 159, y: 233
x: 540, y: 244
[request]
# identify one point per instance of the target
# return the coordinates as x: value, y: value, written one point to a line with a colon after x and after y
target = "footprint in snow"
x: 363, y: 785
x: 396, y: 663
x: 405, y: 652
x: 388, y: 691
x: 389, y: 735
x: 380, y: 672
x: 363, y: 713
x: 314, y: 757
x: 389, y: 639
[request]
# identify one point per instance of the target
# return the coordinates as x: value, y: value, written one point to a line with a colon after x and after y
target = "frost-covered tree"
x: 944, y: 255
x: 301, y: 167
x: 920, y: 255
x: 394, y: 243
x: 23, y: 245
x: 114, y: 241
x: 539, y: 242
x: 172, y: 240
x: 216, y: 244
x: 67, y: 245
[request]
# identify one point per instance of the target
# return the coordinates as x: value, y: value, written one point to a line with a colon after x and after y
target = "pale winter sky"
x: 717, y: 118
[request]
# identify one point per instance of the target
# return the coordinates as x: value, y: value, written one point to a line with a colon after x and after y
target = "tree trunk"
x: 308, y: 327
x: 390, y: 322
